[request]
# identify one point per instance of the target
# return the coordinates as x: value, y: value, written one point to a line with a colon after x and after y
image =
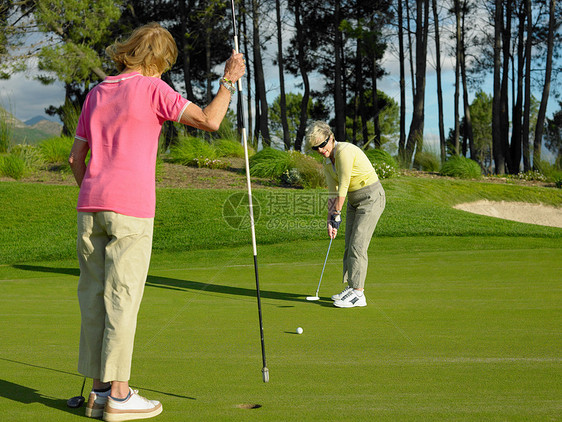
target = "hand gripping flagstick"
x: 265, y: 371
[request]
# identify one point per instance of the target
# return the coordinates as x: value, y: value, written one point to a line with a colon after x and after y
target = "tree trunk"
x: 339, y: 99
x: 518, y: 105
x: 244, y: 36
x: 506, y: 42
x: 357, y: 104
x: 306, y: 83
x: 499, y: 159
x: 361, y: 93
x: 457, y: 75
x: 410, y: 48
x: 282, y: 99
x: 374, y: 94
x: 402, y: 139
x: 439, y: 87
x: 527, y: 110
x: 261, y: 95
x: 546, y: 88
x: 376, y: 111
x: 415, y: 136
x: 184, y: 47
x: 468, y: 135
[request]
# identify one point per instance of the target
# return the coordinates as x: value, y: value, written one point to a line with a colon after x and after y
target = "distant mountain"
x: 47, y: 126
x: 32, y: 131
x: 34, y: 120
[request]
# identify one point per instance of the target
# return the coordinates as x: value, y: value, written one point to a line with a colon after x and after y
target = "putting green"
x: 456, y: 328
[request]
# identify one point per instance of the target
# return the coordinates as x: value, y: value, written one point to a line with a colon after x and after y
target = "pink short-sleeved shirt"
x: 121, y: 120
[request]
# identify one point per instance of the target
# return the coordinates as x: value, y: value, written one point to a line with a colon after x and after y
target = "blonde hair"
x: 316, y: 133
x: 150, y: 48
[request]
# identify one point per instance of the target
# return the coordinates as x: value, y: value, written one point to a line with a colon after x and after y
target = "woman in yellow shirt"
x: 349, y: 173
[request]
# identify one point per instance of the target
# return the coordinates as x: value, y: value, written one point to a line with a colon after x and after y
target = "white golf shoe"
x: 96, y: 404
x: 351, y: 299
x: 135, y: 407
x: 338, y: 296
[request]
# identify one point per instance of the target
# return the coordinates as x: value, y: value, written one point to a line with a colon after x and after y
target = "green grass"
x: 462, y: 323
x: 39, y: 221
x: 457, y: 328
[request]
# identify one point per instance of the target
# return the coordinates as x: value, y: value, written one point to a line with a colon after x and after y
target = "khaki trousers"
x: 364, y: 208
x: 114, y: 254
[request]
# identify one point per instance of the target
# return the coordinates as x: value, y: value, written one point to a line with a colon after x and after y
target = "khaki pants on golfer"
x: 364, y: 208
x: 114, y: 254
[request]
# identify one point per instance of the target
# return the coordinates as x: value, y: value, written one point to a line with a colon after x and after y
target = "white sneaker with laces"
x: 135, y: 407
x: 351, y: 299
x: 338, y: 296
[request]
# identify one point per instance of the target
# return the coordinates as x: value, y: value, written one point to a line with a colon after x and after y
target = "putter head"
x: 312, y: 298
x: 75, y: 402
x: 265, y: 372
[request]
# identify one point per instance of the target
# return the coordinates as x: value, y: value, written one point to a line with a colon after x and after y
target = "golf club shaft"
x: 265, y: 371
x: 325, y: 260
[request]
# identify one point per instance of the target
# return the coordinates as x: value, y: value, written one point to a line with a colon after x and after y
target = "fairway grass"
x: 456, y: 328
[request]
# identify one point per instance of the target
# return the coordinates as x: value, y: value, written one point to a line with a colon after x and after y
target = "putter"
x: 77, y: 401
x: 265, y: 371
x: 318, y: 289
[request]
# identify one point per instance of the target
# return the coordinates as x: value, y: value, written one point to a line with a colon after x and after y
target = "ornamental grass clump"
x: 269, y: 163
x: 427, y: 161
x: 55, y: 150
x: 12, y: 166
x: 30, y: 154
x: 189, y: 149
x: 308, y: 169
x: 462, y: 167
x: 230, y: 148
x: 287, y: 168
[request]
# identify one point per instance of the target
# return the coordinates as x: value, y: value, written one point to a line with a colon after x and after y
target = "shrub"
x: 230, y: 148
x: 189, y: 149
x: 385, y: 165
x: 30, y: 154
x: 380, y: 155
x: 270, y: 163
x: 309, y: 171
x: 557, y: 178
x: 12, y: 166
x: 385, y: 171
x: 552, y: 172
x: 6, y: 129
x: 57, y: 149
x: 458, y: 166
x: 289, y: 168
x: 427, y: 161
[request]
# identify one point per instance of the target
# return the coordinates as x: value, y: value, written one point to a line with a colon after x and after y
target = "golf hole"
x: 248, y: 406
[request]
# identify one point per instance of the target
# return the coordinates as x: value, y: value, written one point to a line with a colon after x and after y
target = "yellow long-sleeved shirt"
x: 352, y: 170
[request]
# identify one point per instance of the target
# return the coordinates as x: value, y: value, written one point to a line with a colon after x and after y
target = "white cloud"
x: 25, y: 97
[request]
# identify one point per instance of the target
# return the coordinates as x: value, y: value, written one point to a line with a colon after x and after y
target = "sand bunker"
x: 516, y: 211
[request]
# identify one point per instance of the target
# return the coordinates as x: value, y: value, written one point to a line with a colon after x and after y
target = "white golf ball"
x: 299, y: 330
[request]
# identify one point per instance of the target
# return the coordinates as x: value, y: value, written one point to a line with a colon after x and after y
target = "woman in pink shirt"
x: 120, y: 124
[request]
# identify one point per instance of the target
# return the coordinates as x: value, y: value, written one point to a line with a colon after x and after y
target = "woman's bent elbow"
x: 210, y: 126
